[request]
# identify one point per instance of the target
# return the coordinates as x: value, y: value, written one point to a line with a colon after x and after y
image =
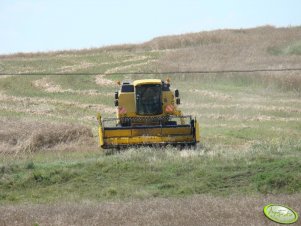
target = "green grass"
x: 95, y: 62
x: 237, y: 108
x: 290, y: 49
x: 250, y: 125
x: 265, y: 168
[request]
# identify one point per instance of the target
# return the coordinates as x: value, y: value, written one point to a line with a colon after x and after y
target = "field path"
x: 197, y: 210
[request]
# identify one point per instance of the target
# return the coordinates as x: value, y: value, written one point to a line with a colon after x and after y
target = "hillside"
x: 250, y: 126
x: 263, y: 47
x: 70, y: 98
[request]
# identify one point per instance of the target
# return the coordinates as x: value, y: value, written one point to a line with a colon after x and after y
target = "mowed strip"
x: 44, y: 105
x: 244, y: 107
x: 49, y: 86
x: 196, y: 210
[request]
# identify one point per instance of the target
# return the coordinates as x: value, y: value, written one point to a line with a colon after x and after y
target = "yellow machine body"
x: 147, y: 114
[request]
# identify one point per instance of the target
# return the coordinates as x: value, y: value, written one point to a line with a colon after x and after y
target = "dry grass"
x: 234, y: 116
x: 20, y: 136
x: 231, y: 49
x: 72, y: 68
x: 102, y: 81
x: 5, y: 76
x: 129, y: 68
x: 47, y: 85
x: 196, y: 210
x: 214, y: 50
x: 44, y: 106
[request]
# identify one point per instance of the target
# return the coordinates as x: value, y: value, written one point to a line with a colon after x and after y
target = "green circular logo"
x: 280, y: 214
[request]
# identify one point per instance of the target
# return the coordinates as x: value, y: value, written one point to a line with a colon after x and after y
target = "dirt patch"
x: 197, y: 210
x: 31, y: 136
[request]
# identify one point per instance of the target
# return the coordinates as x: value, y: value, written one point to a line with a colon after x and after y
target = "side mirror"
x: 178, y: 101
x: 177, y: 94
x: 116, y: 95
x: 116, y: 103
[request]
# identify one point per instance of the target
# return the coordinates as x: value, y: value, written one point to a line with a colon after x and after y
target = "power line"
x: 161, y: 73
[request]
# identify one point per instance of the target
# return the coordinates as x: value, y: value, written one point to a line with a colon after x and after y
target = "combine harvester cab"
x: 147, y: 114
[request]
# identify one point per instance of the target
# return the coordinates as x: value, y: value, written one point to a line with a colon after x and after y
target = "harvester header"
x: 147, y: 114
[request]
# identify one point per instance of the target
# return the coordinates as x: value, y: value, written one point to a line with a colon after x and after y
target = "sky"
x: 50, y: 25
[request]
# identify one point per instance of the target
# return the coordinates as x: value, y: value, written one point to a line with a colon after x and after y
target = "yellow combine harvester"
x: 147, y: 115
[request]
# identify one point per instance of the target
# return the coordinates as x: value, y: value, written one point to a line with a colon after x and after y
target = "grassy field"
x: 250, y: 126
